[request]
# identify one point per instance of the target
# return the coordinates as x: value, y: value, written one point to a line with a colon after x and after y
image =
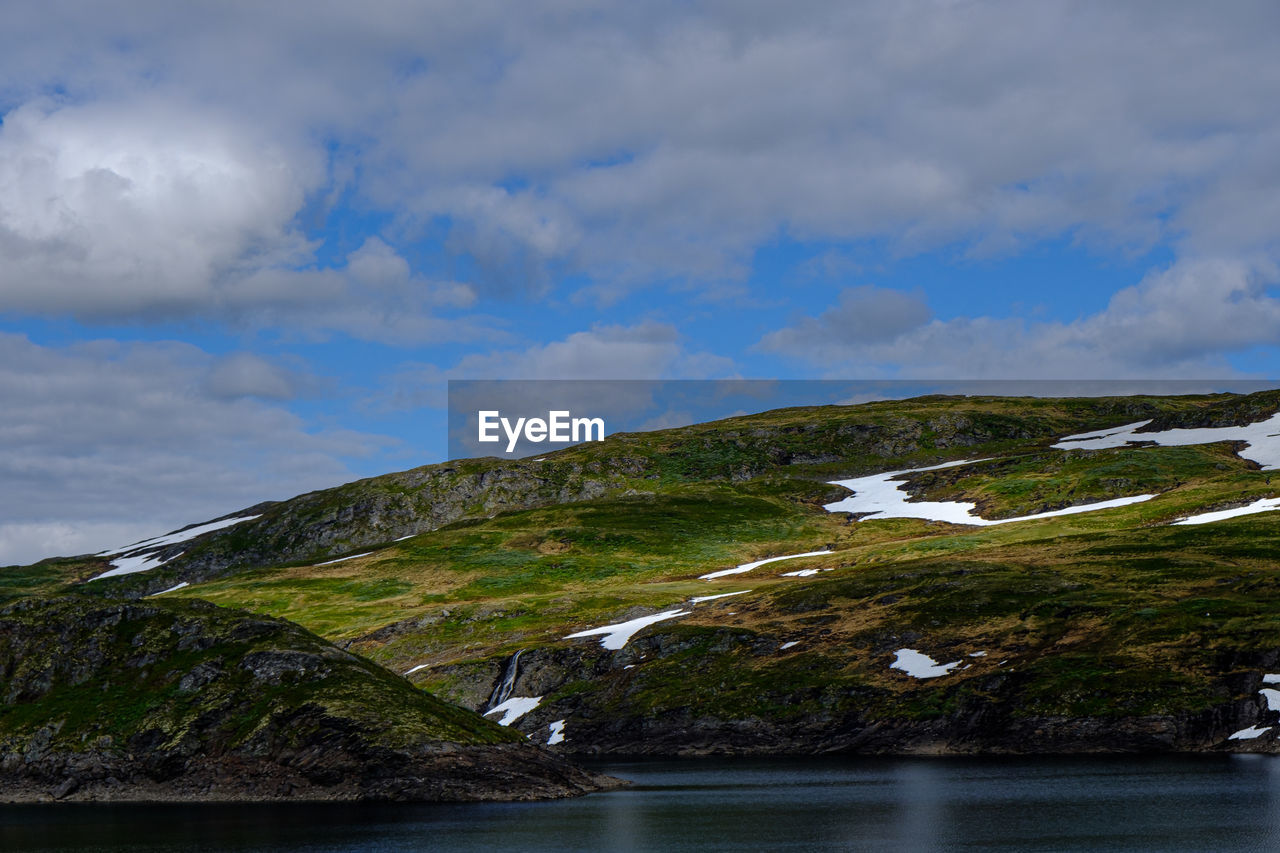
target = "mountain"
x: 174, y: 700
x: 1011, y: 590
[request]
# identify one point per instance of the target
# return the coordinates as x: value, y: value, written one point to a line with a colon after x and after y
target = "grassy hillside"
x: 1158, y: 633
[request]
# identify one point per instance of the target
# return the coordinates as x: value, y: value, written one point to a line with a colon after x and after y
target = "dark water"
x: 1210, y: 803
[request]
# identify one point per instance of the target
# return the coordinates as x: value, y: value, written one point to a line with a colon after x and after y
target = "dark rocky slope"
x: 170, y: 700
x: 671, y: 692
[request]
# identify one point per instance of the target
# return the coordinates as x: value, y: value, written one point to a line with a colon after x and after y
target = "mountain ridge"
x: 1117, y: 628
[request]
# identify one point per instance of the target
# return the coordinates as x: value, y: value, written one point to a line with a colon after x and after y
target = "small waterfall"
x: 507, y: 683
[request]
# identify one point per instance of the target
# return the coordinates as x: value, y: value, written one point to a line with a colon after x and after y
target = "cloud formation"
x: 112, y: 211
x: 132, y: 440
x: 632, y: 143
x: 1177, y: 322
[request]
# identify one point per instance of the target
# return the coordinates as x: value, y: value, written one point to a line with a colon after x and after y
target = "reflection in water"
x: 922, y: 803
x: 1116, y: 803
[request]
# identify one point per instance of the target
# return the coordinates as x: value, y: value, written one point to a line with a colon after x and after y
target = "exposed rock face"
x: 171, y: 701
x: 621, y: 712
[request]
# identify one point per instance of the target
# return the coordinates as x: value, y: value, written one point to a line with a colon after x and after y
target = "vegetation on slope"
x: 1107, y: 616
x: 114, y: 698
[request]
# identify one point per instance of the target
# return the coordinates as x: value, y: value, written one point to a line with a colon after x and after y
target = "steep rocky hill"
x: 184, y: 700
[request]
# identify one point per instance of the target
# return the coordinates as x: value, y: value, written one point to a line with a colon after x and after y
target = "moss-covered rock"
x: 185, y: 700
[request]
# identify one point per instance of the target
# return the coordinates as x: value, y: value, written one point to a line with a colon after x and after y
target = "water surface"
x: 1116, y: 803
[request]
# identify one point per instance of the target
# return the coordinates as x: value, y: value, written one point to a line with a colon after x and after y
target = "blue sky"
x: 245, y: 248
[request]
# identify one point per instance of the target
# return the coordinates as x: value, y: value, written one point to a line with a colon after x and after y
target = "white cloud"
x: 117, y: 210
x: 244, y: 374
x: 637, y: 142
x: 1178, y: 322
x: 644, y: 351
x: 104, y: 440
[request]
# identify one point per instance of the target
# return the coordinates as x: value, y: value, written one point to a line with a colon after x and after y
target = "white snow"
x: 340, y: 559
x: 170, y: 589
x: 1263, y: 439
x: 557, y: 733
x: 514, y: 708
x: 1260, y: 505
x: 977, y: 654
x: 880, y: 496
x: 746, y: 567
x: 803, y: 573
x: 789, y: 644
x: 1105, y: 432
x: 180, y: 536
x: 416, y: 668
x: 130, y: 565
x: 918, y: 665
x: 402, y: 538
x: 1250, y: 733
x: 616, y: 636
x: 1272, y: 697
x: 701, y: 598
x: 1271, y: 678
x: 140, y: 556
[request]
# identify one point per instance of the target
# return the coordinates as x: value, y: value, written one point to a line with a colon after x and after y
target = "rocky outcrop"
x: 123, y: 700
x: 614, y: 708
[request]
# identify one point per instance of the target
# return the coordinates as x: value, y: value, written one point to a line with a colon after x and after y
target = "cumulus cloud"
x: 120, y: 210
x: 864, y: 315
x: 131, y: 440
x: 244, y: 374
x: 644, y: 351
x: 373, y: 295
x: 1177, y: 322
x: 153, y: 210
x: 638, y: 142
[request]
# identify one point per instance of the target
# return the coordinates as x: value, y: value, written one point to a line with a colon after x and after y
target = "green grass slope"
x: 1102, y: 630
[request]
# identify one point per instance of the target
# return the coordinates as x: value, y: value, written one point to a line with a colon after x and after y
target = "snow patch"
x: 180, y: 536
x: 402, y: 538
x: 918, y: 665
x: 616, y: 636
x: 132, y: 565
x: 883, y: 496
x: 1271, y: 678
x: 1261, y: 505
x: 141, y: 556
x: 514, y: 708
x: 412, y: 670
x: 701, y: 598
x: 746, y: 567
x: 977, y: 654
x: 340, y: 559
x: 557, y: 733
x: 1250, y: 733
x: 804, y: 573
x: 1262, y: 438
x: 170, y: 589
x: 789, y: 644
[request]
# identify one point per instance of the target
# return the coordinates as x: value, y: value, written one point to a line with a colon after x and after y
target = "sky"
x: 244, y: 246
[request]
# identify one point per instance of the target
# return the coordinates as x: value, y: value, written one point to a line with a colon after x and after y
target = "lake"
x: 1215, y: 802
